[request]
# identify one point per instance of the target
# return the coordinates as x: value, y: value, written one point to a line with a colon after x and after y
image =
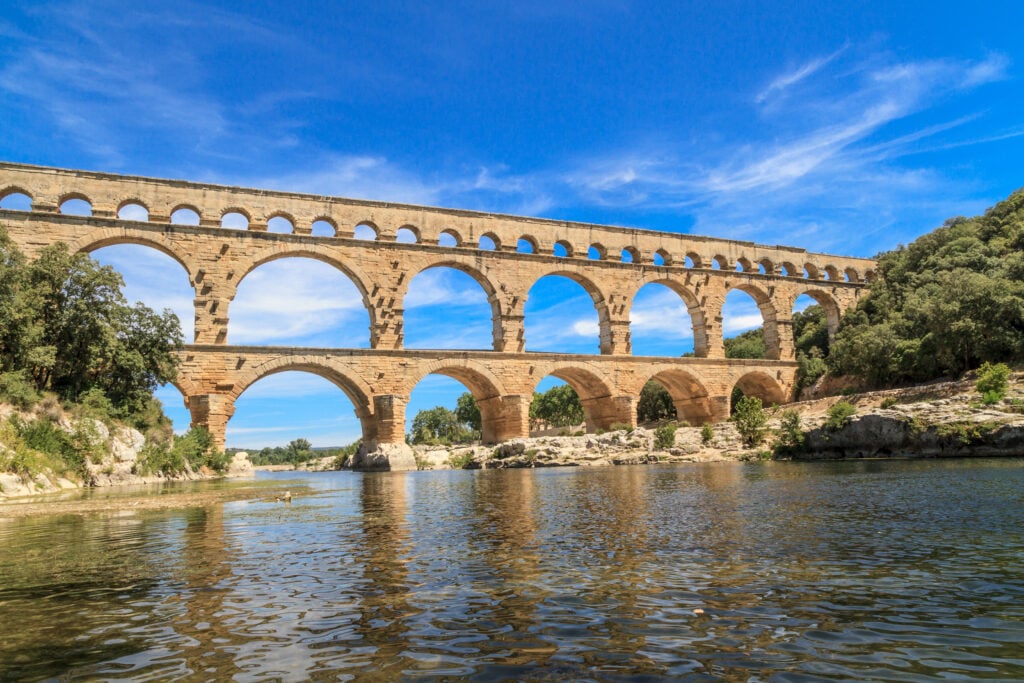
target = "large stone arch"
x: 769, y: 316
x: 596, y: 295
x: 596, y: 391
x: 481, y: 279
x: 109, y: 237
x: 501, y: 416
x: 763, y: 386
x: 352, y: 385
x: 693, y: 307
x: 692, y: 399
x: 824, y: 299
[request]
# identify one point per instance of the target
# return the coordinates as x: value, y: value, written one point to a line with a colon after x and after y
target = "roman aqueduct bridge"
x: 184, y: 220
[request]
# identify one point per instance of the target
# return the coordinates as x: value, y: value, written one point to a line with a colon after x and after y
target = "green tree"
x: 435, y: 424
x: 468, y: 412
x: 299, y: 450
x: 655, y: 403
x: 993, y: 381
x: 750, y: 344
x: 558, y: 406
x: 751, y: 420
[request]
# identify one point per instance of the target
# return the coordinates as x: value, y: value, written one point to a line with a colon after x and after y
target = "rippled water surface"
x: 883, y: 570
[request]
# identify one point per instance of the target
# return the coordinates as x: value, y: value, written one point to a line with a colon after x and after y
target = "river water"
x: 872, y: 570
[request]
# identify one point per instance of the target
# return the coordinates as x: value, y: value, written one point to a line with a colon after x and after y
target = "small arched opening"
x: 597, y: 252
x: 449, y: 238
x: 133, y: 210
x: 323, y: 227
x: 15, y: 199
x: 365, y: 231
x: 185, y: 215
x: 234, y: 219
x: 75, y: 205
x: 407, y: 234
x: 281, y: 224
x: 489, y: 242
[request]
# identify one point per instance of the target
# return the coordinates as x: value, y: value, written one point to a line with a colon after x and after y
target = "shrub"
x: 993, y: 380
x: 751, y: 420
x: 665, y: 436
x: 789, y: 438
x: 889, y: 401
x: 17, y: 390
x: 707, y: 432
x: 839, y: 415
x: 461, y: 462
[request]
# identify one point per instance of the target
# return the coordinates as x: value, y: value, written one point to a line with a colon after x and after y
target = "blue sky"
x: 846, y: 126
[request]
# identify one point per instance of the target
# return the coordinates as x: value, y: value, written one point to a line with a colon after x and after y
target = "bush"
x: 839, y: 415
x: 789, y: 438
x: 665, y: 436
x: 889, y: 401
x: 462, y: 462
x: 751, y: 420
x: 16, y: 389
x: 993, y: 381
x: 707, y: 432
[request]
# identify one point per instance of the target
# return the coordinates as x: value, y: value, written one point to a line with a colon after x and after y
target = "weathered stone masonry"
x: 701, y: 270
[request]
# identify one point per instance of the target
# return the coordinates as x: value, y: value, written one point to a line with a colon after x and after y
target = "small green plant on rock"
x: 461, y: 462
x: 751, y: 420
x: 707, y: 433
x: 889, y: 401
x: 839, y: 415
x: 665, y: 436
x: 789, y: 438
x: 993, y: 381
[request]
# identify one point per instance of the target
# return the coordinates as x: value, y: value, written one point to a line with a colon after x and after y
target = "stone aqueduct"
x: 379, y: 380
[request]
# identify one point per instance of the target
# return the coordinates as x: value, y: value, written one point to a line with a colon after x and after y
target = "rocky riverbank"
x: 943, y: 419
x: 116, y: 457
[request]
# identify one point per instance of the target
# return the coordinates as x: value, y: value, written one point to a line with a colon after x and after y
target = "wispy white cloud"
x: 786, y: 80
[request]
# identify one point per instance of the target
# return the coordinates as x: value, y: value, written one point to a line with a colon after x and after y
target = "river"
x: 869, y: 570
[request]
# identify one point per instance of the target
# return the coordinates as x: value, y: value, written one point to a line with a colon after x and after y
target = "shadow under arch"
x: 827, y: 303
x: 594, y: 389
x: 693, y: 307
x: 763, y: 386
x: 497, y: 331
x: 691, y: 398
x: 596, y: 295
x: 499, y: 420
x: 769, y: 317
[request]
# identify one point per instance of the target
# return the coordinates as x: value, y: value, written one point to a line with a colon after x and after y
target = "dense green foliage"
x: 194, y: 448
x: 558, y: 407
x: 655, y: 404
x: 789, y: 437
x: 440, y: 425
x: 993, y: 381
x: 665, y: 436
x: 750, y: 419
x: 839, y: 415
x: 66, y: 328
x: 749, y: 344
x: 948, y: 302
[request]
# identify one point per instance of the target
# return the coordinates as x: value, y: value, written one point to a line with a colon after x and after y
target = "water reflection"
x: 882, y: 571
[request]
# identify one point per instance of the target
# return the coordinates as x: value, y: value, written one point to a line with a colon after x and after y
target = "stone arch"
x: 791, y: 269
x: 480, y: 279
x: 130, y: 201
x: 15, y: 189
x: 565, y: 245
x: 828, y: 303
x: 695, y: 260
x: 285, y: 216
x: 595, y: 392
x: 401, y: 235
x: 769, y: 317
x: 851, y: 275
x: 666, y: 257
x: 354, y: 387
x: 186, y: 207
x: 692, y: 400
x: 870, y: 276
x: 744, y: 265
x: 367, y: 224
x: 693, y: 307
x: 719, y: 262
x: 597, y: 252
x: 361, y: 281
x: 596, y: 295
x: 108, y: 237
x: 453, y: 233
x: 527, y: 244
x: 761, y: 385
x: 767, y: 265
x: 812, y: 272
x: 327, y: 220
x: 831, y: 273
x: 630, y: 254
x: 71, y: 197
x: 493, y: 238
x: 497, y: 421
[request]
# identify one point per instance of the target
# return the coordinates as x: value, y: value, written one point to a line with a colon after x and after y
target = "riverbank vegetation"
x: 78, y: 365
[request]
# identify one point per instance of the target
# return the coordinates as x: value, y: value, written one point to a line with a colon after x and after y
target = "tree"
x: 435, y: 424
x: 468, y: 412
x: 655, y: 403
x: 750, y: 419
x: 750, y: 344
x: 67, y: 326
x: 299, y: 450
x: 558, y: 406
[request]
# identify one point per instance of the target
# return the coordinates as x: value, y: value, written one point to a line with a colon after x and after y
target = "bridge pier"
x: 384, y: 446
x: 504, y: 417
x: 213, y: 412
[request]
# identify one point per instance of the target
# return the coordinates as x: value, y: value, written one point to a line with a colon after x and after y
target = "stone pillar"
x: 711, y: 305
x: 786, y: 344
x: 384, y: 446
x: 720, y: 408
x: 213, y: 412
x: 605, y: 411
x: 510, y: 333
x: 211, y: 321
x: 615, y: 337
x: 504, y: 417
